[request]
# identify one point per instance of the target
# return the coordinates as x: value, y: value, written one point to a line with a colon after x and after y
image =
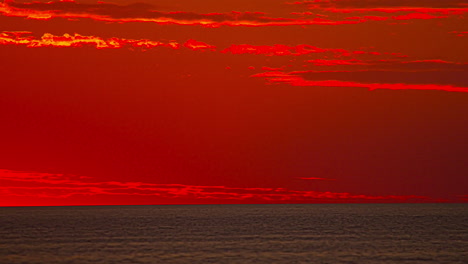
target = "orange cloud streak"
x: 294, y: 80
x: 27, y: 184
x: 77, y: 40
x: 459, y: 33
x: 284, y: 50
x: 447, y: 7
x: 321, y: 62
x: 145, y: 13
x: 24, y: 38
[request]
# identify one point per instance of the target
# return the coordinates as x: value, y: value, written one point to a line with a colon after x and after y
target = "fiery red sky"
x: 236, y: 101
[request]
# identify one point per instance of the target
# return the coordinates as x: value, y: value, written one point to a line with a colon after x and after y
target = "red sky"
x: 265, y: 101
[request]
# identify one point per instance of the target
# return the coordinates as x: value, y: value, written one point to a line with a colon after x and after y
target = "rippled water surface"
x: 424, y: 233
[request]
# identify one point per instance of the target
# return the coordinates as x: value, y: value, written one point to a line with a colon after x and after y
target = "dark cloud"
x: 409, y: 72
x: 456, y: 78
x: 382, y: 74
x: 396, y: 65
x: 105, y: 9
x: 139, y: 11
x: 386, y: 3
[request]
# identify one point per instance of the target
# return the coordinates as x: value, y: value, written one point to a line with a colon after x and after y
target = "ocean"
x: 322, y: 233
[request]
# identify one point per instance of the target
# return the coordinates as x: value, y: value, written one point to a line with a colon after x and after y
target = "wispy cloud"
x: 294, y: 79
x: 345, y: 70
x: 376, y: 74
x: 464, y: 197
x: 149, y: 13
x: 142, y: 12
x: 60, y: 186
x: 388, y: 6
x: 459, y: 33
x: 285, y: 50
x: 384, y: 10
x: 23, y: 38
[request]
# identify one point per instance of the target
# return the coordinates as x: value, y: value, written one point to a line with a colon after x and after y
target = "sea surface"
x: 340, y: 233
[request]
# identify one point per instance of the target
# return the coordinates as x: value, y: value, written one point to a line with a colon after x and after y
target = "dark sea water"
x: 392, y: 233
